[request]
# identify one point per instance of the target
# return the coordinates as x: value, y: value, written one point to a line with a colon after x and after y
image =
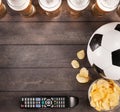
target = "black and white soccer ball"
x: 103, y: 50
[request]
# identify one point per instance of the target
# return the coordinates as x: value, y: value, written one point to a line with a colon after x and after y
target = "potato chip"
x: 102, y: 83
x: 93, y: 104
x: 97, y: 96
x: 105, y: 106
x: 94, y: 86
x: 81, y: 54
x: 104, y: 95
x: 84, y: 72
x: 98, y: 109
x: 81, y: 79
x: 83, y: 76
x: 75, y: 64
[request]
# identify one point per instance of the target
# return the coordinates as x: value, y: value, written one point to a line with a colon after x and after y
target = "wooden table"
x: 35, y: 56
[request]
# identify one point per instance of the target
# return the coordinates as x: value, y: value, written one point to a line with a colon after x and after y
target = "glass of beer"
x: 25, y: 7
x: 76, y: 6
x: 118, y: 10
x: 50, y: 7
x: 2, y: 9
x: 104, y: 6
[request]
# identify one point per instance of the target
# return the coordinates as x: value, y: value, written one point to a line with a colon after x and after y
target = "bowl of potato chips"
x: 104, y: 95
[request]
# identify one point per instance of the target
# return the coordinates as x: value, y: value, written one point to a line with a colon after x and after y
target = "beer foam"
x: 78, y: 5
x: 50, y: 5
x: 18, y: 5
x: 108, y: 5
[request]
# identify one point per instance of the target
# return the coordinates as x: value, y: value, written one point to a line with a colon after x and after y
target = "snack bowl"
x: 104, y: 95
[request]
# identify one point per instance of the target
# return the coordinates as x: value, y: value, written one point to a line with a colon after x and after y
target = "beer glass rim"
x: 52, y: 8
x: 105, y: 7
x: 80, y: 7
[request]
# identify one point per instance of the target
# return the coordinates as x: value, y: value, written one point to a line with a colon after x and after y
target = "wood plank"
x: 64, y: 16
x: 48, y: 79
x: 40, y: 56
x: 7, y: 98
x: 47, y: 33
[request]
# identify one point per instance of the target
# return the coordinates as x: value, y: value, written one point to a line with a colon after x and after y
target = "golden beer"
x: 102, y: 7
x: 29, y: 11
x: 2, y: 9
x: 24, y: 7
x: 118, y: 10
x: 51, y: 7
x: 76, y: 6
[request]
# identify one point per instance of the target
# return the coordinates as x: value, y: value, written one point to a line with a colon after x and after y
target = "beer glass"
x: 25, y: 7
x: 2, y: 9
x: 51, y: 7
x: 118, y: 10
x: 76, y: 6
x: 104, y: 6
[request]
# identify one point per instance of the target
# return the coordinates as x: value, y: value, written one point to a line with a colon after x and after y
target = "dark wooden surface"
x: 35, y: 56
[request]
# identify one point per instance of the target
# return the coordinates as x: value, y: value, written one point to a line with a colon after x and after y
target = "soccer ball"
x: 103, y: 50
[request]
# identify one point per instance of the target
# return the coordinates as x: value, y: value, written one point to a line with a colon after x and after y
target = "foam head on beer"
x: 18, y: 5
x: 78, y: 5
x: 50, y: 5
x: 108, y: 5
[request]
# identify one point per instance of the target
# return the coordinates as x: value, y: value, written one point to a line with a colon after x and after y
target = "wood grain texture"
x: 64, y: 15
x: 13, y: 97
x: 48, y: 79
x: 40, y: 56
x: 47, y: 32
x: 8, y: 97
x: 36, y: 52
